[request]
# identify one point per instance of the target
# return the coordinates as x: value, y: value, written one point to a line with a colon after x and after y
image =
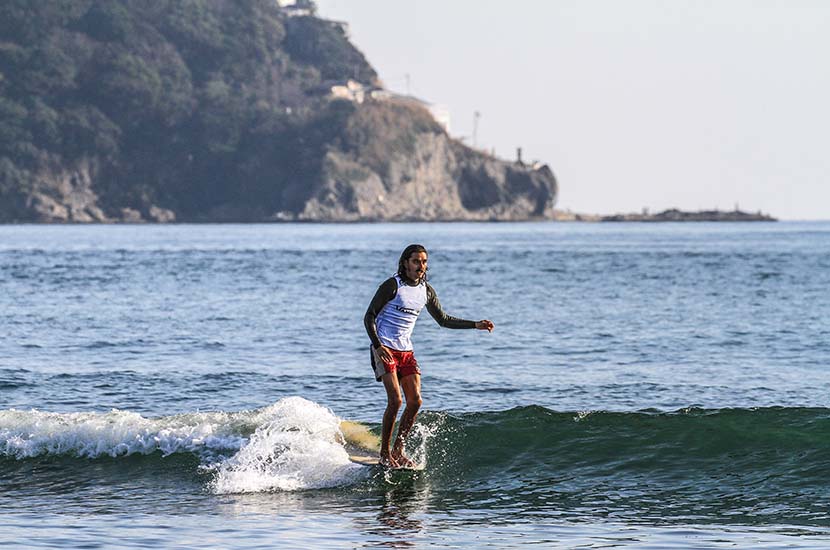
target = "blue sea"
x: 201, y: 386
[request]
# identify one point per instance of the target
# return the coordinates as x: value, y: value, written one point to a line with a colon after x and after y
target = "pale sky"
x: 633, y: 104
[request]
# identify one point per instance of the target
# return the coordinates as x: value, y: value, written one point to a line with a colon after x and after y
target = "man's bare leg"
x: 393, y: 405
x: 412, y: 390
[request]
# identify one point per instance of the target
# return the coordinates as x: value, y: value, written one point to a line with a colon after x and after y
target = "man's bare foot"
x: 389, y: 461
x: 402, y: 460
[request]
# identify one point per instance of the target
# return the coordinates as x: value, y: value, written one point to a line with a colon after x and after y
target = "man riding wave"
x: 389, y: 321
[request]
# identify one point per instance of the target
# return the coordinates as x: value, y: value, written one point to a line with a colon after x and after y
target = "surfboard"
x: 358, y: 440
x: 365, y: 460
x: 375, y: 461
x: 359, y: 436
x: 415, y: 468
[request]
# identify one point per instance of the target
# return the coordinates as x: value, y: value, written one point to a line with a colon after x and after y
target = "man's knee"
x: 394, y: 402
x: 414, y: 402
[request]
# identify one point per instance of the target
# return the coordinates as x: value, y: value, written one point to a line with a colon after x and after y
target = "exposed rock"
x: 399, y: 171
x: 568, y: 216
x: 161, y: 215
x: 671, y: 215
x: 64, y: 193
x: 130, y: 215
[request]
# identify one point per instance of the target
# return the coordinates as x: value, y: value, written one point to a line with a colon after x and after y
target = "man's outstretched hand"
x: 485, y: 325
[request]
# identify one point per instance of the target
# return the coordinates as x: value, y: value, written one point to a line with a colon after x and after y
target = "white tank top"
x: 397, y: 318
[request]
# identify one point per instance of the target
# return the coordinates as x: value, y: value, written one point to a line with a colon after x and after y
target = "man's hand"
x: 485, y: 325
x: 385, y: 355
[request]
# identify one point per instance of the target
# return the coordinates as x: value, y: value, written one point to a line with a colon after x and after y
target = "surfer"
x: 389, y: 321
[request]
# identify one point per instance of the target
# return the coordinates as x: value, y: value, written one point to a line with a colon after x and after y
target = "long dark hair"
x: 407, y: 252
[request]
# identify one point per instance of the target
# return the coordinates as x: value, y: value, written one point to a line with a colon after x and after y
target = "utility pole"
x: 476, y: 116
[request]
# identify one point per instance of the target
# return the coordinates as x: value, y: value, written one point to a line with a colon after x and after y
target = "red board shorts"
x: 404, y: 364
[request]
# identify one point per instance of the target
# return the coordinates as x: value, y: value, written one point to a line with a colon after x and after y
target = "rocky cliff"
x: 393, y: 162
x: 213, y: 110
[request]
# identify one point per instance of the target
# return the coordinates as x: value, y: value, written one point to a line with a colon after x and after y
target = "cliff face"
x: 393, y: 162
x: 164, y: 111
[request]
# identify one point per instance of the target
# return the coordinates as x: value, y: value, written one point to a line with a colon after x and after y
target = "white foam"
x: 299, y: 446
x: 26, y: 434
x: 291, y: 445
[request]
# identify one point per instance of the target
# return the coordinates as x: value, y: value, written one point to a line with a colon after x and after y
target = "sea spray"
x: 298, y: 447
x: 424, y: 437
x: 28, y: 434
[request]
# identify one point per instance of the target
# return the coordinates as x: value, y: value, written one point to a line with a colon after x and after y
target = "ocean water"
x: 646, y: 386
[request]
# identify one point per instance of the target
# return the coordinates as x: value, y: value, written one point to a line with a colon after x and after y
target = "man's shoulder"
x: 390, y: 284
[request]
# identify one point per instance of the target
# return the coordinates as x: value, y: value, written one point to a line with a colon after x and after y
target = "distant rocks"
x: 674, y: 215
x: 671, y: 215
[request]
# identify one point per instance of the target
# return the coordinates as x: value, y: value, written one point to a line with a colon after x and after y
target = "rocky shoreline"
x: 671, y: 215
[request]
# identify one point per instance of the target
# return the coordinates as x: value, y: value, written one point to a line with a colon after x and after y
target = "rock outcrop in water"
x: 671, y: 215
x: 674, y: 215
x: 162, y: 110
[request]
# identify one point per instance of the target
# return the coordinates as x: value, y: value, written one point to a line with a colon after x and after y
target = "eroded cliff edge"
x: 407, y: 168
